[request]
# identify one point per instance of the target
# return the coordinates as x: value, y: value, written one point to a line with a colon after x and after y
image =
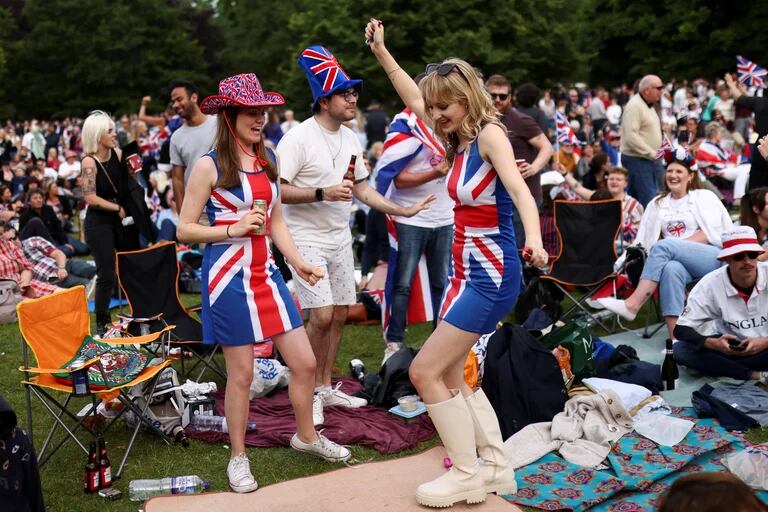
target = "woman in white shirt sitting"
x: 681, y: 231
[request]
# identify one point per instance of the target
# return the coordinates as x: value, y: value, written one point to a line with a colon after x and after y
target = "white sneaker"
x: 240, y: 477
x: 389, y: 350
x: 321, y: 447
x: 617, y: 306
x: 336, y: 396
x: 318, y: 418
x: 594, y: 304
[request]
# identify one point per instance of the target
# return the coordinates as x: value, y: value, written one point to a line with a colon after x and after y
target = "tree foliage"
x: 64, y: 57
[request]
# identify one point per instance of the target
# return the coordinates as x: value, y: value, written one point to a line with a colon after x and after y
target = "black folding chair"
x: 149, y: 279
x: 587, y: 231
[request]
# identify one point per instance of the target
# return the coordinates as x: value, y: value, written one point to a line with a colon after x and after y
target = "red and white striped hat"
x: 739, y: 239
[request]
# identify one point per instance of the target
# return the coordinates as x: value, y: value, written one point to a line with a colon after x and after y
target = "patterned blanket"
x: 639, y: 472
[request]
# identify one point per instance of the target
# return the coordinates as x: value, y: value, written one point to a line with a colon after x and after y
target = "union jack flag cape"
x: 407, y: 137
x: 750, y: 73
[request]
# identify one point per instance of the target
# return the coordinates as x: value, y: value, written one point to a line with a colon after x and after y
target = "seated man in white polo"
x: 735, y: 298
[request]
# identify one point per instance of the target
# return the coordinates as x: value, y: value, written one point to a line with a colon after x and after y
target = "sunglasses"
x: 442, y: 69
x: 659, y: 87
x: 742, y: 255
x: 502, y: 97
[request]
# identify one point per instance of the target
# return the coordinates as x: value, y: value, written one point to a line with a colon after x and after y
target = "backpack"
x: 537, y: 293
x: 190, y: 271
x: 392, y: 382
x: 10, y: 295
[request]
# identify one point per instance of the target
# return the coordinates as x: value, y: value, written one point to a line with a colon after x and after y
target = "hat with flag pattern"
x: 324, y: 73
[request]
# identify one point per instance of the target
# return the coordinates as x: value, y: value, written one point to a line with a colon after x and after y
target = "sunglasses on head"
x: 742, y: 255
x: 442, y: 69
x: 502, y: 97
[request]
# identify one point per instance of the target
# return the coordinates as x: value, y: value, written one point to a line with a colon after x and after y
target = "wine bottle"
x: 669, y: 371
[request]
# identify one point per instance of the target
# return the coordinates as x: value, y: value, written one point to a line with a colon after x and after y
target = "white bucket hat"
x: 738, y: 240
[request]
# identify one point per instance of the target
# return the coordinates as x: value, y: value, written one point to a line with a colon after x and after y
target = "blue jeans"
x: 643, y: 175
x: 673, y: 264
x: 412, y: 242
x: 716, y: 364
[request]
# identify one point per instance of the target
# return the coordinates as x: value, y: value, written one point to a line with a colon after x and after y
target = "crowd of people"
x: 464, y: 178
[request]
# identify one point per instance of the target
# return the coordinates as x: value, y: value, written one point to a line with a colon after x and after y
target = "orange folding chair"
x: 54, y: 328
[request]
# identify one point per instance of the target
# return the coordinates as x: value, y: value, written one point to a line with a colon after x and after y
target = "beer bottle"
x: 350, y: 174
x: 669, y: 371
x: 105, y: 468
x: 91, y: 473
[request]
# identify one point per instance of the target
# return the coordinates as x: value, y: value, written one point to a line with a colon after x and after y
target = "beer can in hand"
x: 261, y: 205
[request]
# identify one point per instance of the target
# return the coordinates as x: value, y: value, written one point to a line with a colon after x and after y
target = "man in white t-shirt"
x: 314, y: 158
x: 411, y: 167
x: 735, y: 298
x: 192, y: 140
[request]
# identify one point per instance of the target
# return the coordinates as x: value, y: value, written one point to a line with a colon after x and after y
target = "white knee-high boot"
x: 463, y: 482
x: 498, y: 474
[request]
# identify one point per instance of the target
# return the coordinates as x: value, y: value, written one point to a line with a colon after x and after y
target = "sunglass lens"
x: 444, y: 69
x: 430, y: 68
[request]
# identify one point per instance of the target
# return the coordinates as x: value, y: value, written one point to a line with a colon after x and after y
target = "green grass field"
x: 151, y: 458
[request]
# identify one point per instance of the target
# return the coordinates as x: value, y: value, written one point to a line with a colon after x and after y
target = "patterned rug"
x: 639, y: 473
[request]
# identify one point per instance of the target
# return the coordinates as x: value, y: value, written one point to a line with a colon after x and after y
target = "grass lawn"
x: 151, y: 458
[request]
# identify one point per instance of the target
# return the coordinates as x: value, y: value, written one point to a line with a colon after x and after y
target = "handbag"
x: 10, y: 295
x: 576, y: 338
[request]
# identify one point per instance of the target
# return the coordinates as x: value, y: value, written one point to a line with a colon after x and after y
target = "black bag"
x: 538, y: 293
x: 634, y: 263
x: 392, y: 382
x: 522, y: 379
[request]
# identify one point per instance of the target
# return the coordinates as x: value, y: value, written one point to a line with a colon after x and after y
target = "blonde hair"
x: 460, y: 85
x: 95, y: 125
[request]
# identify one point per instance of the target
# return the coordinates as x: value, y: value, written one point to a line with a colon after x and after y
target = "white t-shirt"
x: 440, y: 212
x: 678, y: 220
x: 189, y: 143
x: 306, y: 160
x: 714, y: 298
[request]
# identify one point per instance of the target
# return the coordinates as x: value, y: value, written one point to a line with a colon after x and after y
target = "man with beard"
x: 192, y: 140
x: 734, y: 298
x: 317, y: 194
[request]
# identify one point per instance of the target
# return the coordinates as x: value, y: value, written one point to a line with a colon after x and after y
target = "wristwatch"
x: 319, y: 194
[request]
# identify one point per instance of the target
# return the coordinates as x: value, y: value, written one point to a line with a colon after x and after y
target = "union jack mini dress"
x: 246, y: 300
x: 486, y: 268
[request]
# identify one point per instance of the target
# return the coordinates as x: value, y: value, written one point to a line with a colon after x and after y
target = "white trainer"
x: 240, y: 477
x: 617, y: 306
x: 321, y: 447
x: 336, y: 396
x: 318, y: 418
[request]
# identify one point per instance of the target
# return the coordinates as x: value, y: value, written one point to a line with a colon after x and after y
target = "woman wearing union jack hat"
x: 245, y: 299
x: 680, y: 230
x: 484, y: 183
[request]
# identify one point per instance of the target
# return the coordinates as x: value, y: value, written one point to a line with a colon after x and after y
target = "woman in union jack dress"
x: 484, y: 183
x: 245, y: 299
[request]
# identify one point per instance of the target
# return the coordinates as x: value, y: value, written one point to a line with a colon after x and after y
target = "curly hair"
x: 460, y: 85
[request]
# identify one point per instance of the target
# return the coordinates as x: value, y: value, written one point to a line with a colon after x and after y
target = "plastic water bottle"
x: 206, y: 423
x: 141, y: 490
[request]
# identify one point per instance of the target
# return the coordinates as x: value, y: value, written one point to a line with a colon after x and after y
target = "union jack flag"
x: 324, y: 62
x: 666, y: 147
x: 408, y: 136
x: 565, y: 134
x: 750, y: 73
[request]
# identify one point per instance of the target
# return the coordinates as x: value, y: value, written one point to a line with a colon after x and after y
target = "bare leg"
x: 239, y: 376
x: 297, y: 352
x: 640, y: 296
x: 434, y: 370
x: 318, y: 330
x: 671, y: 322
x: 334, y: 341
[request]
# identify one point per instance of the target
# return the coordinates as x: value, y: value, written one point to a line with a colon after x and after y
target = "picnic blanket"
x: 373, y: 427
x: 639, y: 472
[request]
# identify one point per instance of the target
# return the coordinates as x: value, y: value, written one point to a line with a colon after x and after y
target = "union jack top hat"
x: 242, y: 90
x: 324, y: 73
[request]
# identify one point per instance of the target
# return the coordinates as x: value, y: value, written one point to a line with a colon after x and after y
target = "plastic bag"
x: 268, y: 374
x: 751, y: 465
x: 663, y: 430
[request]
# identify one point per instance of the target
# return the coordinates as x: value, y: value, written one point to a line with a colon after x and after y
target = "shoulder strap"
x: 104, y: 170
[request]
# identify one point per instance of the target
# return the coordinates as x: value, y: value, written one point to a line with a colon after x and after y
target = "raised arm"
x: 404, y: 85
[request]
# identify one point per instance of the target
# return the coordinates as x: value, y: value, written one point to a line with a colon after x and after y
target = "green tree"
x: 79, y: 55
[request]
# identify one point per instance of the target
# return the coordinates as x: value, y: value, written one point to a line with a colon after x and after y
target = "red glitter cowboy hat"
x: 242, y: 90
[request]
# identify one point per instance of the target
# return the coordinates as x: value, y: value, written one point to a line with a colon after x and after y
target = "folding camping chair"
x: 149, y: 279
x: 587, y: 231
x: 54, y: 327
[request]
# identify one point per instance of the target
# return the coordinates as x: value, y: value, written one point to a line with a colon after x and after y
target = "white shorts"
x: 337, y: 288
